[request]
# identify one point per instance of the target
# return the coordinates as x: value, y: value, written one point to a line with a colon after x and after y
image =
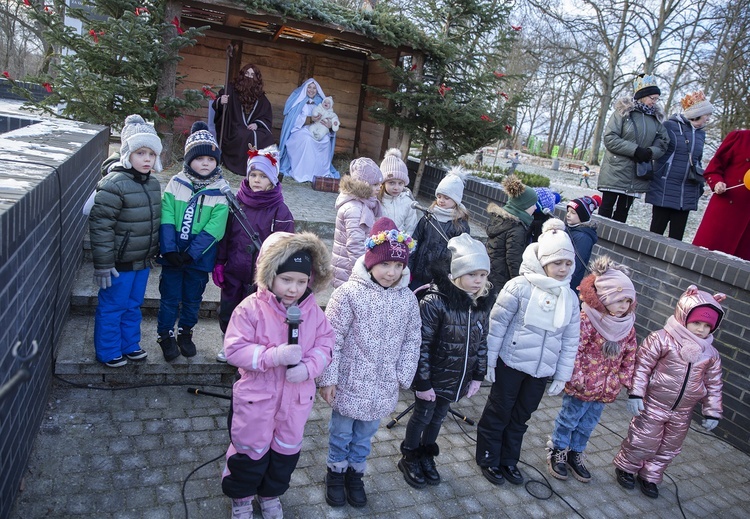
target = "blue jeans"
x: 117, y: 325
x: 180, y: 287
x: 575, y: 423
x: 349, y: 441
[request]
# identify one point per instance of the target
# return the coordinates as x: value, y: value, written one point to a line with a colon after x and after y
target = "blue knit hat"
x: 547, y: 200
x: 201, y: 143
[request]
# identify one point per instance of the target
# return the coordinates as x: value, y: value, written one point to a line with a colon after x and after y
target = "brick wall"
x: 47, y: 171
x: 662, y: 270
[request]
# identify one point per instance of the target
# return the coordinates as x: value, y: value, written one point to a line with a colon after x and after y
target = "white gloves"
x: 297, y: 374
x: 556, y: 387
x: 428, y: 395
x: 286, y: 354
x: 103, y: 277
x: 635, y: 406
x: 490, y: 376
x: 709, y: 424
x: 474, y: 386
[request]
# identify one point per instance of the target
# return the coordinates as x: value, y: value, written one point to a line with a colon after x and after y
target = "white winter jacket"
x: 399, y: 210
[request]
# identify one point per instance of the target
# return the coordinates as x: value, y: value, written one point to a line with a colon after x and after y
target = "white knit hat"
x: 452, y: 185
x: 393, y: 167
x: 554, y: 243
x: 137, y: 134
x: 468, y: 255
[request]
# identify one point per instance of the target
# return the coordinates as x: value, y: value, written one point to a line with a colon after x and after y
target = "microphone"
x: 293, y: 319
x: 226, y: 190
x: 418, y: 207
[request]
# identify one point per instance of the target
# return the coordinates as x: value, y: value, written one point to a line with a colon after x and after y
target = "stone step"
x: 76, y: 360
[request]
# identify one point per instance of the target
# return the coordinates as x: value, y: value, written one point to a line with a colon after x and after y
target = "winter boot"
x: 556, y: 459
x: 410, y: 465
x: 427, y: 461
x: 575, y: 462
x: 355, y: 488
x: 185, y: 341
x: 168, y: 345
x: 335, y: 492
x: 242, y: 508
x: 270, y: 507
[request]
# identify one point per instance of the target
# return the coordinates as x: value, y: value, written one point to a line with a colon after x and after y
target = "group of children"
x: 375, y: 337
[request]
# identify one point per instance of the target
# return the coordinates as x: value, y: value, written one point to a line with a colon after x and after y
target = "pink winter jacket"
x: 597, y: 378
x: 267, y: 408
x: 664, y: 379
x: 354, y: 219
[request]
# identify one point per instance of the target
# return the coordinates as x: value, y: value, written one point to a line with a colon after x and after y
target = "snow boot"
x: 410, y: 465
x: 556, y: 459
x: 575, y: 462
x: 168, y: 345
x: 355, y: 488
x: 335, y: 492
x: 185, y: 341
x: 427, y: 461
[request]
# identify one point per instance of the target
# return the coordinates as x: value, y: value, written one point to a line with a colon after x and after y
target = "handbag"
x: 693, y: 175
x: 643, y: 170
x: 325, y: 184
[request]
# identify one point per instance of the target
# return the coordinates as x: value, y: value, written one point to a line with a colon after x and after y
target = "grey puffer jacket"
x: 670, y: 187
x: 618, y: 171
x: 124, y: 221
x: 537, y: 352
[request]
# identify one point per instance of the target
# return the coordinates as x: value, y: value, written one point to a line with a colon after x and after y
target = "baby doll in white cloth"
x: 324, y: 111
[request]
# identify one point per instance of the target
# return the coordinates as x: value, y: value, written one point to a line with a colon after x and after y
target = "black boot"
x: 168, y: 345
x: 427, y: 461
x: 575, y: 462
x: 556, y: 459
x: 335, y: 493
x: 410, y: 465
x: 185, y: 341
x: 355, y: 488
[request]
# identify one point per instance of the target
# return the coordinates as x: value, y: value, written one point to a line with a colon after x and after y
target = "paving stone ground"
x: 126, y: 454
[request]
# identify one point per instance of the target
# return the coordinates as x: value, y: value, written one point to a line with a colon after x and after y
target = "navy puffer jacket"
x: 454, y: 339
x: 670, y: 186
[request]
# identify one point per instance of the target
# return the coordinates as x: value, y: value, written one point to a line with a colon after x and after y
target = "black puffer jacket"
x: 124, y: 221
x: 432, y: 248
x: 454, y: 340
x: 507, y: 237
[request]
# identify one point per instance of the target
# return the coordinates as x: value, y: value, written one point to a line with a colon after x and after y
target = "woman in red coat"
x: 726, y: 224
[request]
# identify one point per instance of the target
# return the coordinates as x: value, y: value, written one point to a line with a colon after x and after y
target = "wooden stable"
x: 288, y: 52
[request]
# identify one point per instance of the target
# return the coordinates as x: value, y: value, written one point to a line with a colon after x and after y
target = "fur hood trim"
x: 457, y: 299
x: 279, y: 246
x: 495, y: 210
x: 356, y: 188
x: 625, y: 105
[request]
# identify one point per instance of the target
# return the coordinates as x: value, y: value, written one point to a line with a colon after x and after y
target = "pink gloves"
x: 297, y: 374
x: 218, y: 275
x: 474, y: 386
x: 428, y: 395
x: 286, y: 354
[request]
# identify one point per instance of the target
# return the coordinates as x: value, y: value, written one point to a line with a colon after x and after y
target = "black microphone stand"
x: 241, y: 217
x: 403, y: 413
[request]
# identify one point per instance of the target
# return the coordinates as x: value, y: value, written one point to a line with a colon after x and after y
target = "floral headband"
x: 391, y: 236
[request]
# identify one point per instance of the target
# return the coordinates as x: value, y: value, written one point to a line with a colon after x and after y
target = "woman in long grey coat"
x: 634, y: 134
x: 674, y: 191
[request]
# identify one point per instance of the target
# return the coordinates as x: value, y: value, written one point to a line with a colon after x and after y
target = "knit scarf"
x: 613, y: 329
x: 199, y: 181
x: 691, y: 346
x: 442, y: 215
x: 259, y: 199
x: 548, y: 304
x: 648, y: 110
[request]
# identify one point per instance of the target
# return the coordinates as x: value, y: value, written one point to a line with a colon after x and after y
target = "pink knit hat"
x: 612, y: 286
x: 705, y: 314
x: 393, y: 167
x: 366, y: 170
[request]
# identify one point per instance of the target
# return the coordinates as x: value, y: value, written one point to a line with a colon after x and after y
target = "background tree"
x: 122, y: 62
x: 453, y: 103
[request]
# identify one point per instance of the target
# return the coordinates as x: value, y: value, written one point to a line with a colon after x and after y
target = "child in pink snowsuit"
x: 675, y: 368
x: 275, y: 393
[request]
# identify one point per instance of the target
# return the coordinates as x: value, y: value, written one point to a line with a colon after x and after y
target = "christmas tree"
x: 121, y: 61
